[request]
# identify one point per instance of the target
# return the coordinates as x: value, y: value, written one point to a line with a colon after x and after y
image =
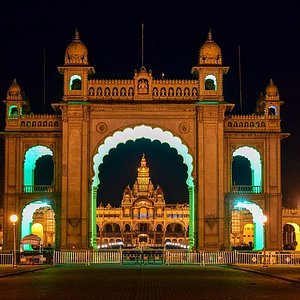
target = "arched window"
x: 186, y: 92
x: 115, y: 91
x: 123, y: 91
x: 210, y: 83
x: 75, y: 83
x: 178, y: 92
x: 143, y: 213
x: 108, y: 228
x: 107, y: 92
x: 37, y: 160
x: 163, y: 92
x: 13, y: 111
x: 247, y: 168
x: 130, y: 92
x: 194, y: 92
x: 91, y: 91
x: 272, y: 111
x: 171, y: 92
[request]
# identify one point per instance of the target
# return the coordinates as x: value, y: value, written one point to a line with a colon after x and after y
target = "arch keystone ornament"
x: 94, y: 116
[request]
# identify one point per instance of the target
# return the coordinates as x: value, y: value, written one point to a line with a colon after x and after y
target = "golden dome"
x: 14, y: 91
x: 210, y: 52
x: 76, y: 52
x: 272, y: 91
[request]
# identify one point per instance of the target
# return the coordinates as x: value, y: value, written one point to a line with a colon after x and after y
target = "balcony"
x: 38, y: 188
x: 246, y: 189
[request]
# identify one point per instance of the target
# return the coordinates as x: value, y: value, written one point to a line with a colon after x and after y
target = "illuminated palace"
x: 191, y: 115
x: 143, y: 218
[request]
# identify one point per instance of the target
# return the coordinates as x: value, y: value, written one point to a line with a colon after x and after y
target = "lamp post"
x: 14, y: 219
x: 264, y: 222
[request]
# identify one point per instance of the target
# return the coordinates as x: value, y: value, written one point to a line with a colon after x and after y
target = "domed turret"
x: 14, y: 92
x: 210, y: 52
x: 272, y: 91
x: 76, y: 52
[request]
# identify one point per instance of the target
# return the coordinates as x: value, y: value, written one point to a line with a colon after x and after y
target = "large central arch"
x: 152, y: 133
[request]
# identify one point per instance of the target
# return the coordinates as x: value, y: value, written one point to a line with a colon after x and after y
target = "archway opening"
x: 291, y: 236
x: 35, y: 166
x: 38, y: 216
x: 259, y: 220
x: 241, y: 158
x: 241, y: 171
x: 153, y: 134
x: 43, y: 172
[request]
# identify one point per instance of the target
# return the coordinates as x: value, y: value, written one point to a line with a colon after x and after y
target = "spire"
x: 76, y: 38
x: 142, y: 44
x: 209, y: 36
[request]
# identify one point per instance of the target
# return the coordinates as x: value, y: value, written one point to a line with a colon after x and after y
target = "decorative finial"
x: 142, y: 45
x: 209, y: 35
x: 271, y: 82
x: 76, y: 35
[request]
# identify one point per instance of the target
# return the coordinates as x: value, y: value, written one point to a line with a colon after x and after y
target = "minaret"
x: 272, y: 101
x: 16, y: 105
x: 210, y: 71
x: 76, y: 71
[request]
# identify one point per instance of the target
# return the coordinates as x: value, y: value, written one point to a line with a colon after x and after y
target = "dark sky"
x: 267, y: 32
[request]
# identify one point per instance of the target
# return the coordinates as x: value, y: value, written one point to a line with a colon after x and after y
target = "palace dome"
x: 14, y: 91
x: 210, y: 52
x: 272, y: 91
x: 76, y: 52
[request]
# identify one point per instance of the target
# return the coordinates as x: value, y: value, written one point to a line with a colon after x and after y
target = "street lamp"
x: 264, y: 222
x: 14, y: 219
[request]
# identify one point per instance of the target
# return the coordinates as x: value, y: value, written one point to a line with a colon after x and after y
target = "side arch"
x: 255, y: 162
x: 30, y: 158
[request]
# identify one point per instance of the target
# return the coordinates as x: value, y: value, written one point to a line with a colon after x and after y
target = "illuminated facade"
x: 191, y: 115
x: 144, y: 219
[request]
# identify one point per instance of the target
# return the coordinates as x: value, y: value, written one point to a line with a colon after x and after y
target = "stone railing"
x: 38, y: 188
x: 246, y: 189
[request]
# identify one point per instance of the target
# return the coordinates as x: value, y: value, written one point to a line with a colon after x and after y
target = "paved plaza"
x: 134, y: 282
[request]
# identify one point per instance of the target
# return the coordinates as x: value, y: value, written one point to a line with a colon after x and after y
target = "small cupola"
x: 76, y: 52
x: 210, y: 52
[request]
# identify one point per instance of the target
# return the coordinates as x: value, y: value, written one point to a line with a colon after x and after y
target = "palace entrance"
x: 191, y: 115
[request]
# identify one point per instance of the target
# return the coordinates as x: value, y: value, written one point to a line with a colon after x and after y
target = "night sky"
x: 267, y: 32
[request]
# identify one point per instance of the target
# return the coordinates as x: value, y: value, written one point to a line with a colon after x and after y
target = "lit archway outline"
x: 31, y: 156
x: 259, y: 220
x: 27, y: 215
x: 143, y: 131
x: 255, y: 162
x: 138, y: 132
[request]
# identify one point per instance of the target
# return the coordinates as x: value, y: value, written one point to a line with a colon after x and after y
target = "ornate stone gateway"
x: 95, y: 115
